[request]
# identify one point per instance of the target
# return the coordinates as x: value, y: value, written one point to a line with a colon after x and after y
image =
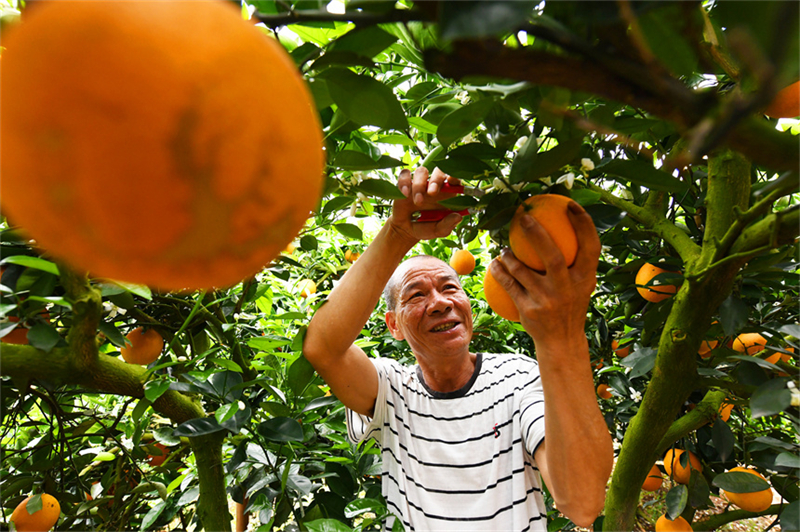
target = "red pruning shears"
x: 438, y: 214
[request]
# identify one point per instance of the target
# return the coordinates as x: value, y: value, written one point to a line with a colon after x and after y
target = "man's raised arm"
x: 328, y: 343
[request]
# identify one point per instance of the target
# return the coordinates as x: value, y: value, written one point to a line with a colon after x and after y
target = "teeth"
x: 444, y: 327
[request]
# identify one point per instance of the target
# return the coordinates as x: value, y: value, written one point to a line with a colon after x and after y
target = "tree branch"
x: 705, y: 412
x: 716, y: 521
x: 658, y: 225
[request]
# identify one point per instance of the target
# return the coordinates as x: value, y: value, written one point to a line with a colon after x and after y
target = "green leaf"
x: 224, y: 363
x: 356, y: 160
x: 327, y: 525
x: 458, y: 203
x: 698, y: 491
x: 462, y: 121
x: 44, y: 337
x: 34, y: 504
x: 368, y: 41
x: 31, y: 262
x: 337, y: 204
x: 788, y: 460
x: 644, y: 174
x: 554, y: 159
x: 364, y: 100
x: 422, y: 125
x: 790, y: 516
x: 281, y: 429
x: 770, y: 398
x: 349, y: 230
x: 155, y: 388
x: 723, y: 438
x: 112, y: 333
x: 135, y: 289
x: 465, y: 166
x: 266, y: 343
x: 740, y: 482
x: 664, y: 31
x: 300, y: 374
x: 139, y: 410
x: 380, y: 188
x: 152, y: 515
x: 362, y: 506
x: 524, y: 161
x: 733, y: 313
x: 189, y: 496
x: 198, y: 427
x: 225, y: 412
x: 676, y: 500
x: 105, y: 457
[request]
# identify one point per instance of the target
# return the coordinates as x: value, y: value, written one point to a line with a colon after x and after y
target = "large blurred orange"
x: 653, y: 293
x: 41, y: 520
x: 164, y: 143
x: 754, y: 501
x: 674, y: 469
x: 550, y: 211
x: 498, y: 299
x: 786, y: 103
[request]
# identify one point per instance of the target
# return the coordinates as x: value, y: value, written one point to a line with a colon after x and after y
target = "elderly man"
x: 467, y: 438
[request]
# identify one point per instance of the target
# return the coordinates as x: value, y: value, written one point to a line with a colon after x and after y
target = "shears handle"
x: 438, y: 214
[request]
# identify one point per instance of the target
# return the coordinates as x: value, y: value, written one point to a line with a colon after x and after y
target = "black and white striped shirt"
x: 460, y: 460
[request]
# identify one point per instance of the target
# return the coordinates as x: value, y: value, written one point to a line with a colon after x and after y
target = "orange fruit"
x: 786, y: 103
x: 604, y: 391
x: 463, y: 262
x: 654, y: 294
x: 673, y: 467
x: 749, y: 343
x: 663, y: 524
x: 351, y: 256
x: 598, y: 364
x: 18, y: 336
x: 135, y: 121
x: 550, y: 211
x: 289, y: 249
x: 307, y: 287
x: 43, y: 519
x: 774, y: 358
x: 725, y: 410
x: 654, y: 479
x: 498, y: 299
x: 156, y: 460
x: 706, y: 346
x: 145, y: 348
x: 754, y: 501
x: 623, y: 351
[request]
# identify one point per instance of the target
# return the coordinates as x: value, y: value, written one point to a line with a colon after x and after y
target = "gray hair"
x: 390, y: 290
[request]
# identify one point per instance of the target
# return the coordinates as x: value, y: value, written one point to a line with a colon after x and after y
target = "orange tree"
x: 648, y: 114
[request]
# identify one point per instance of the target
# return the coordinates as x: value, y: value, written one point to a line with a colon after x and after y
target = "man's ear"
x: 391, y: 323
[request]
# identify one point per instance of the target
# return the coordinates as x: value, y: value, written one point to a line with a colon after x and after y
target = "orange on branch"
x: 623, y: 351
x: 725, y: 410
x: 654, y: 479
x: 679, y: 473
x: 145, y: 348
x: 706, y: 346
x: 463, y: 262
x: 498, y: 299
x: 653, y: 293
x: 550, y: 211
x: 777, y: 356
x: 307, y: 287
x: 664, y: 524
x: 786, y: 103
x: 749, y: 343
x: 351, y: 256
x: 169, y: 143
x: 754, y: 501
x: 39, y: 521
x: 604, y: 391
x: 156, y: 460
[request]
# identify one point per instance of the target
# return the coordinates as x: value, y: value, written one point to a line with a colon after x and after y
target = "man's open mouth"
x: 445, y: 326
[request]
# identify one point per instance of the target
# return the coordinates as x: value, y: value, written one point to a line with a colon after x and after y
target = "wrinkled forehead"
x: 420, y: 269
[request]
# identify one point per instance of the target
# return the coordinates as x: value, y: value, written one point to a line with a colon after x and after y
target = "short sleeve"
x: 532, y: 409
x: 361, y: 428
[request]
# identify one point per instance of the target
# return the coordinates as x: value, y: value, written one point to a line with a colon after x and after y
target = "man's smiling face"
x: 432, y: 311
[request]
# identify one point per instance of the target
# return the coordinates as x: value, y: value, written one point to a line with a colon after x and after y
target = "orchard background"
x: 649, y: 114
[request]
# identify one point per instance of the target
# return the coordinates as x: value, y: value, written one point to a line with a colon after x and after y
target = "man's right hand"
x: 422, y: 192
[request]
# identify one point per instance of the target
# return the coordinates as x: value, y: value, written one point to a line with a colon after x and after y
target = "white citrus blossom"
x: 587, y: 165
x: 567, y: 179
x: 795, y: 393
x: 499, y: 184
x: 546, y: 180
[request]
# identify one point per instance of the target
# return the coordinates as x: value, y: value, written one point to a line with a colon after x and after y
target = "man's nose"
x: 439, y: 302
